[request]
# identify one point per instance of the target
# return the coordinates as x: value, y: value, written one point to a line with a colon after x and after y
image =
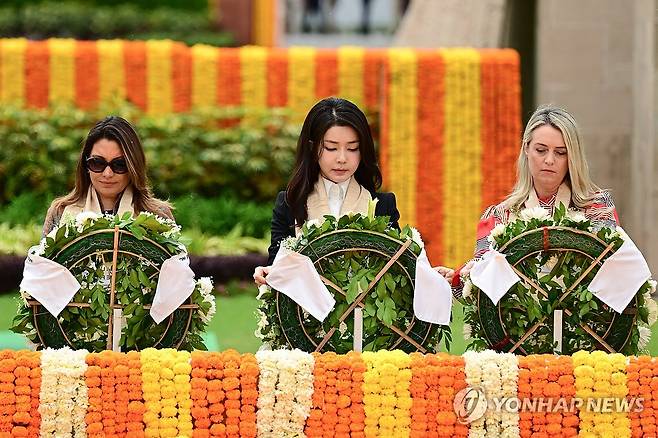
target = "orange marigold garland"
x: 27, y: 383
x: 249, y: 373
x: 337, y: 408
x: 642, y: 380
x: 7, y: 388
x: 86, y: 74
x: 94, y: 417
x: 199, y: 394
x: 136, y: 408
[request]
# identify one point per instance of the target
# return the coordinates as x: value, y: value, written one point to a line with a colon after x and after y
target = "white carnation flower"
x: 621, y: 233
x: 497, y: 231
x: 467, y: 331
x: 652, y: 306
x: 313, y: 223
x: 652, y: 283
x: 528, y: 214
x: 83, y: 218
x: 211, y: 312
x: 67, y: 219
x: 205, y: 283
x: 468, y: 287
x: 342, y: 328
x: 262, y: 290
x: 645, y: 336
x: 576, y: 216
x: 415, y: 236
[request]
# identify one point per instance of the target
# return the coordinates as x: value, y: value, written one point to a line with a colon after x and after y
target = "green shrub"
x: 26, y: 208
x: 84, y: 20
x: 17, y: 239
x: 218, y: 215
x: 203, y: 152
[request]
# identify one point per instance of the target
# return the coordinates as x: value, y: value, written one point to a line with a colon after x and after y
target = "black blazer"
x: 283, y: 224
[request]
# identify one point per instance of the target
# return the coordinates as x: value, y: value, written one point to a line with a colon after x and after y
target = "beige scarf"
x: 356, y: 200
x: 92, y: 203
x: 563, y: 196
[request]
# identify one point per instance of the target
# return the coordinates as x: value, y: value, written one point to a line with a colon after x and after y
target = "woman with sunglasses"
x: 110, y: 176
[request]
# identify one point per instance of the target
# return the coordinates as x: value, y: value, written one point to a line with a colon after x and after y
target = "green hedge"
x: 189, y: 5
x: 85, y: 21
x: 16, y: 240
x: 204, y: 153
x: 215, y: 216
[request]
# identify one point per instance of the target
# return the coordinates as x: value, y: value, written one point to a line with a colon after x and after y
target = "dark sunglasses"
x: 98, y: 165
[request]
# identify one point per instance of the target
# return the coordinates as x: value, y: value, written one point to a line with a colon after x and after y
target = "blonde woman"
x: 110, y: 176
x: 551, y: 170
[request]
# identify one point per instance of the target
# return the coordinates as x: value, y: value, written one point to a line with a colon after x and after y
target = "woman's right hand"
x: 466, y: 269
x: 260, y: 273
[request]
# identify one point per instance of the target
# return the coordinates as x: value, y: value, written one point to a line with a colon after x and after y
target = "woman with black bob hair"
x: 336, y: 172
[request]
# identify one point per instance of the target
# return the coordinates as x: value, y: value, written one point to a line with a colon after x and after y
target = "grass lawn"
x: 234, y: 325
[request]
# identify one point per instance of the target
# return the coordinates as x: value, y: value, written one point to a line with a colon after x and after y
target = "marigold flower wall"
x: 449, y: 119
x: 292, y: 393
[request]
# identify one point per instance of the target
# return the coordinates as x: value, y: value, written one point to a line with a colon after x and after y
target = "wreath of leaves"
x: 87, y: 327
x: 555, y: 272
x: 390, y: 301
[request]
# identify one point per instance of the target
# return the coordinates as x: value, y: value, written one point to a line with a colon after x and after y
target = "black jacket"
x: 283, y: 224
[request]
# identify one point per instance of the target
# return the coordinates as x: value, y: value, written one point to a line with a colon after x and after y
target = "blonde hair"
x: 583, y: 189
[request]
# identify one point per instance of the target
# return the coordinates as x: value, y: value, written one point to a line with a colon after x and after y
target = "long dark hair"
x: 123, y: 133
x: 327, y: 113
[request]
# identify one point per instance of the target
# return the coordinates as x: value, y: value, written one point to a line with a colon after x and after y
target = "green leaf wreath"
x: 84, y: 245
x: 555, y: 270
x: 352, y: 267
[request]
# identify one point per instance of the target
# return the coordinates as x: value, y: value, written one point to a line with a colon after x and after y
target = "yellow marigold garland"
x: 12, y: 70
x: 111, y: 72
x: 386, y: 397
x: 301, y: 81
x: 462, y: 153
x: 403, y: 107
x: 204, y: 76
x: 599, y: 376
x: 62, y: 71
x: 158, y: 77
x: 351, y: 62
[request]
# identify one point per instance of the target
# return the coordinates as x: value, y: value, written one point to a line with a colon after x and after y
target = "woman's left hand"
x: 447, y: 273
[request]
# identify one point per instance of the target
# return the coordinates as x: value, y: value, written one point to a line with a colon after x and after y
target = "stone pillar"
x: 449, y: 23
x: 596, y: 59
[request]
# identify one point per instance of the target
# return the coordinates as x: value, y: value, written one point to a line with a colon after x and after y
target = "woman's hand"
x: 467, y: 268
x: 260, y: 273
x: 447, y: 273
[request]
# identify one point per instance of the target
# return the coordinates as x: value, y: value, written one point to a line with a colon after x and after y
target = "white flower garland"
x: 63, y: 394
x: 285, y: 388
x: 497, y: 375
